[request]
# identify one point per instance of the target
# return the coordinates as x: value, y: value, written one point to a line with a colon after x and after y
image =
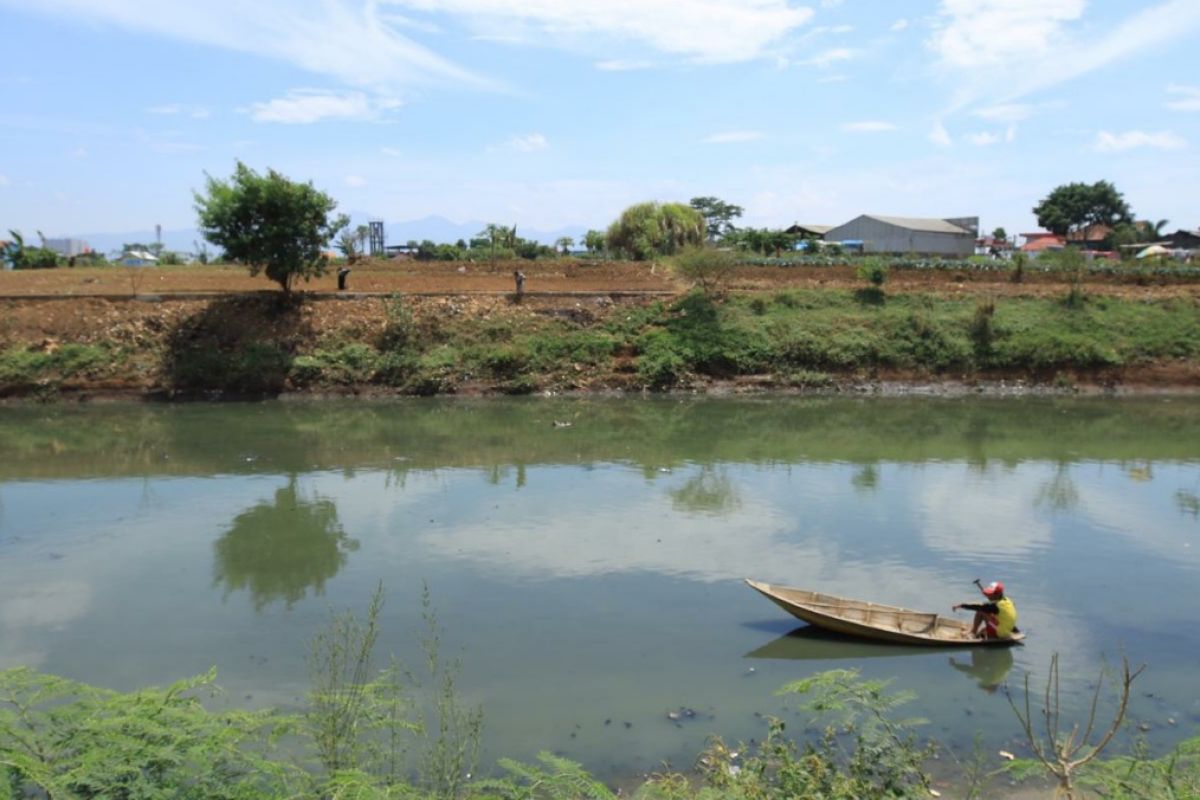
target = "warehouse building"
x: 952, y: 237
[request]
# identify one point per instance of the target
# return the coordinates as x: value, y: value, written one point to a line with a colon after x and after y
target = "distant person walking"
x: 519, y: 278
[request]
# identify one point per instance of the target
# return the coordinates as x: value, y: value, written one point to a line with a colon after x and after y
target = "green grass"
x: 787, y: 335
x: 20, y: 366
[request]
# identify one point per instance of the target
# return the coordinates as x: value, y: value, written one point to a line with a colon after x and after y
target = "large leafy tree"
x: 1075, y: 206
x: 718, y: 215
x: 646, y: 230
x: 269, y: 223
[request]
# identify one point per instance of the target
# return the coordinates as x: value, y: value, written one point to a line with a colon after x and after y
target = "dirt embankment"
x: 164, y: 323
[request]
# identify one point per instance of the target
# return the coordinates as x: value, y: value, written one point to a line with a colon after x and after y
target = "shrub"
x: 708, y: 269
x: 660, y: 364
x: 982, y: 328
x: 873, y: 270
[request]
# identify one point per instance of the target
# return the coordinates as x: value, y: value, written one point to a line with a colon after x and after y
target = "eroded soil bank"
x: 450, y: 329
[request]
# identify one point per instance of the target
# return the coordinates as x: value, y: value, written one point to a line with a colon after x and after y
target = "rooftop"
x: 927, y: 224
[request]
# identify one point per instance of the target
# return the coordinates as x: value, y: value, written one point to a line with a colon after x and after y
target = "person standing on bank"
x: 519, y: 278
x: 997, y: 617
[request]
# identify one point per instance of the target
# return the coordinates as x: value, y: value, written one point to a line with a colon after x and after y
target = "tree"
x: 1075, y: 206
x: 1153, y: 231
x: 717, y: 215
x: 1000, y: 235
x: 649, y: 229
x: 593, y: 240
x: 269, y: 223
x: 18, y: 256
x: 565, y: 243
x: 348, y: 244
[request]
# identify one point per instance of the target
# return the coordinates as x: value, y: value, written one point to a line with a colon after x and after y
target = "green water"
x: 589, y: 575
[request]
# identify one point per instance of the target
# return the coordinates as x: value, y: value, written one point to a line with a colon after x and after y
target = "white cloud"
x: 717, y: 31
x: 983, y: 138
x: 623, y: 65
x: 1118, y: 142
x: 356, y: 181
x: 1005, y: 112
x: 939, y: 135
x: 4, y: 181
x: 975, y: 33
x: 868, y: 126
x: 178, y: 109
x: 354, y: 42
x: 305, y: 106
x: 390, y: 152
x: 1006, y: 49
x: 899, y: 25
x: 529, y: 143
x: 79, y: 152
x: 828, y: 58
x: 1189, y: 98
x: 733, y: 137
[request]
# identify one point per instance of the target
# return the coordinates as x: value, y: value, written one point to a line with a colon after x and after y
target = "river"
x: 585, y: 556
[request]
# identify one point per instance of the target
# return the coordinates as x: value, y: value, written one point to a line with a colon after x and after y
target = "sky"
x: 560, y: 113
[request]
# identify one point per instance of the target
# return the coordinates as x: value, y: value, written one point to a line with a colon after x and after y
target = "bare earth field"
x: 565, y: 277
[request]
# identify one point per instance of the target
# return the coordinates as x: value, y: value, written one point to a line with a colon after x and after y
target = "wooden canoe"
x: 874, y: 621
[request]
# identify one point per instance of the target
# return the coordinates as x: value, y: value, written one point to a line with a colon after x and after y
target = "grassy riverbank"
x: 368, y: 737
x: 263, y: 344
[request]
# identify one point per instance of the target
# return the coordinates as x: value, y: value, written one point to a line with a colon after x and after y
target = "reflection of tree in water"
x: 1059, y: 493
x: 866, y: 479
x: 278, y: 550
x: 707, y: 492
x: 1188, y: 502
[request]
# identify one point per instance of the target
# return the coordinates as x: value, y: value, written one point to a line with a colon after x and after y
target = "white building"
x: 953, y: 237
x: 68, y: 247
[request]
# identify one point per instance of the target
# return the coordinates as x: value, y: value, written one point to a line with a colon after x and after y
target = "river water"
x: 585, y: 557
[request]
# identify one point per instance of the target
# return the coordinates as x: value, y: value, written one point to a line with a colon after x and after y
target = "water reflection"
x: 1059, y: 493
x: 279, y: 550
x: 708, y: 492
x: 987, y: 666
x: 866, y: 480
x: 1188, y: 502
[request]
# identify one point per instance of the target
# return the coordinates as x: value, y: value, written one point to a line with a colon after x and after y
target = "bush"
x: 708, y: 269
x: 873, y: 270
x: 982, y: 328
x: 660, y: 364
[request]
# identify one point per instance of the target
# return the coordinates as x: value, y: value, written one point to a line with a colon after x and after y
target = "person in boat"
x: 995, y: 619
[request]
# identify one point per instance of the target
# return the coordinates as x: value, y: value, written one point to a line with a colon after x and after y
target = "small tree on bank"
x: 269, y: 223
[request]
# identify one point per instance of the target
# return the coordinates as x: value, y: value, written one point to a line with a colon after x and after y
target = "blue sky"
x: 555, y: 113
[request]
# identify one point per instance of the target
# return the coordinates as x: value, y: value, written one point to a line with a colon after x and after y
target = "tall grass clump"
x: 983, y: 329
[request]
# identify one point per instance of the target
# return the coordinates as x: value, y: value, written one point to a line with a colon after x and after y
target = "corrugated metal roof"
x: 920, y: 224
x: 822, y: 229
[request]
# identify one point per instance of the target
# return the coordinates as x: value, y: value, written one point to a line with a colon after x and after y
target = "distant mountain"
x: 435, y: 228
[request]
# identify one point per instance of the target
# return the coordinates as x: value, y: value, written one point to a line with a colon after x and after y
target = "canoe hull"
x: 874, y: 621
